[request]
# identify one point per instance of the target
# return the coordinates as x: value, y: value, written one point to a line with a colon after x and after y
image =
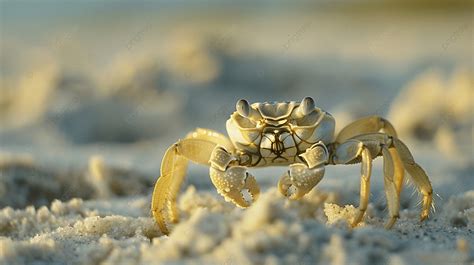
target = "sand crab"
x: 295, y: 134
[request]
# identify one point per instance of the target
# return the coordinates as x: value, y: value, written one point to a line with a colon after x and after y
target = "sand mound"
x: 272, y: 231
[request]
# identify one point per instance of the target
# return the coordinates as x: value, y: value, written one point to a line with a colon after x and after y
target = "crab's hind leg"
x: 391, y: 192
x: 173, y: 170
x: 353, y: 151
x: 398, y: 169
x: 418, y: 175
x: 197, y: 147
x: 375, y: 124
x: 211, y: 136
x: 370, y: 124
x: 364, y: 150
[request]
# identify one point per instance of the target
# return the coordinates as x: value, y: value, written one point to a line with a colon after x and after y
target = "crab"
x: 295, y: 134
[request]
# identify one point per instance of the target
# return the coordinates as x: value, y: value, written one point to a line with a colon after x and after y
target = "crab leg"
x: 399, y: 170
x: 418, y: 175
x: 374, y: 124
x: 197, y: 147
x: 353, y: 151
x: 370, y: 124
x: 391, y: 192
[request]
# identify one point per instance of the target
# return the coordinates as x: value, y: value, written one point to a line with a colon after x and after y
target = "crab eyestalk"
x: 306, y: 106
x: 245, y: 110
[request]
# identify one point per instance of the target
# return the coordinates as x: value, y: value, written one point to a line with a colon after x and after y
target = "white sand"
x: 273, y: 231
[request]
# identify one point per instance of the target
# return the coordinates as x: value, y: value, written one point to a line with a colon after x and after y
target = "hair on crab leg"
x: 433, y: 205
x: 418, y: 175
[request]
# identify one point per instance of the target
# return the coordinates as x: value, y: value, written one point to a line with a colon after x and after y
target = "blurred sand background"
x: 93, y: 92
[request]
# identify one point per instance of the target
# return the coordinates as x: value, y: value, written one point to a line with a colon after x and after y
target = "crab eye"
x: 243, y: 108
x: 307, y: 106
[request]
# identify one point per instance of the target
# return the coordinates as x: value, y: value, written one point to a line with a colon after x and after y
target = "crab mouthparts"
x: 276, y: 123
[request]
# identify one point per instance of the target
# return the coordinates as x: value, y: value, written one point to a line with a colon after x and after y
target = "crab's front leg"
x: 230, y: 179
x: 197, y: 147
x: 304, y: 176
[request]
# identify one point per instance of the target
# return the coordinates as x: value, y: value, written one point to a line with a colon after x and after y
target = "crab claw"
x: 300, y: 177
x: 231, y: 182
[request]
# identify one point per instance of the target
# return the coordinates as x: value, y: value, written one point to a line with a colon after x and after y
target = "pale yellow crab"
x: 298, y: 135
